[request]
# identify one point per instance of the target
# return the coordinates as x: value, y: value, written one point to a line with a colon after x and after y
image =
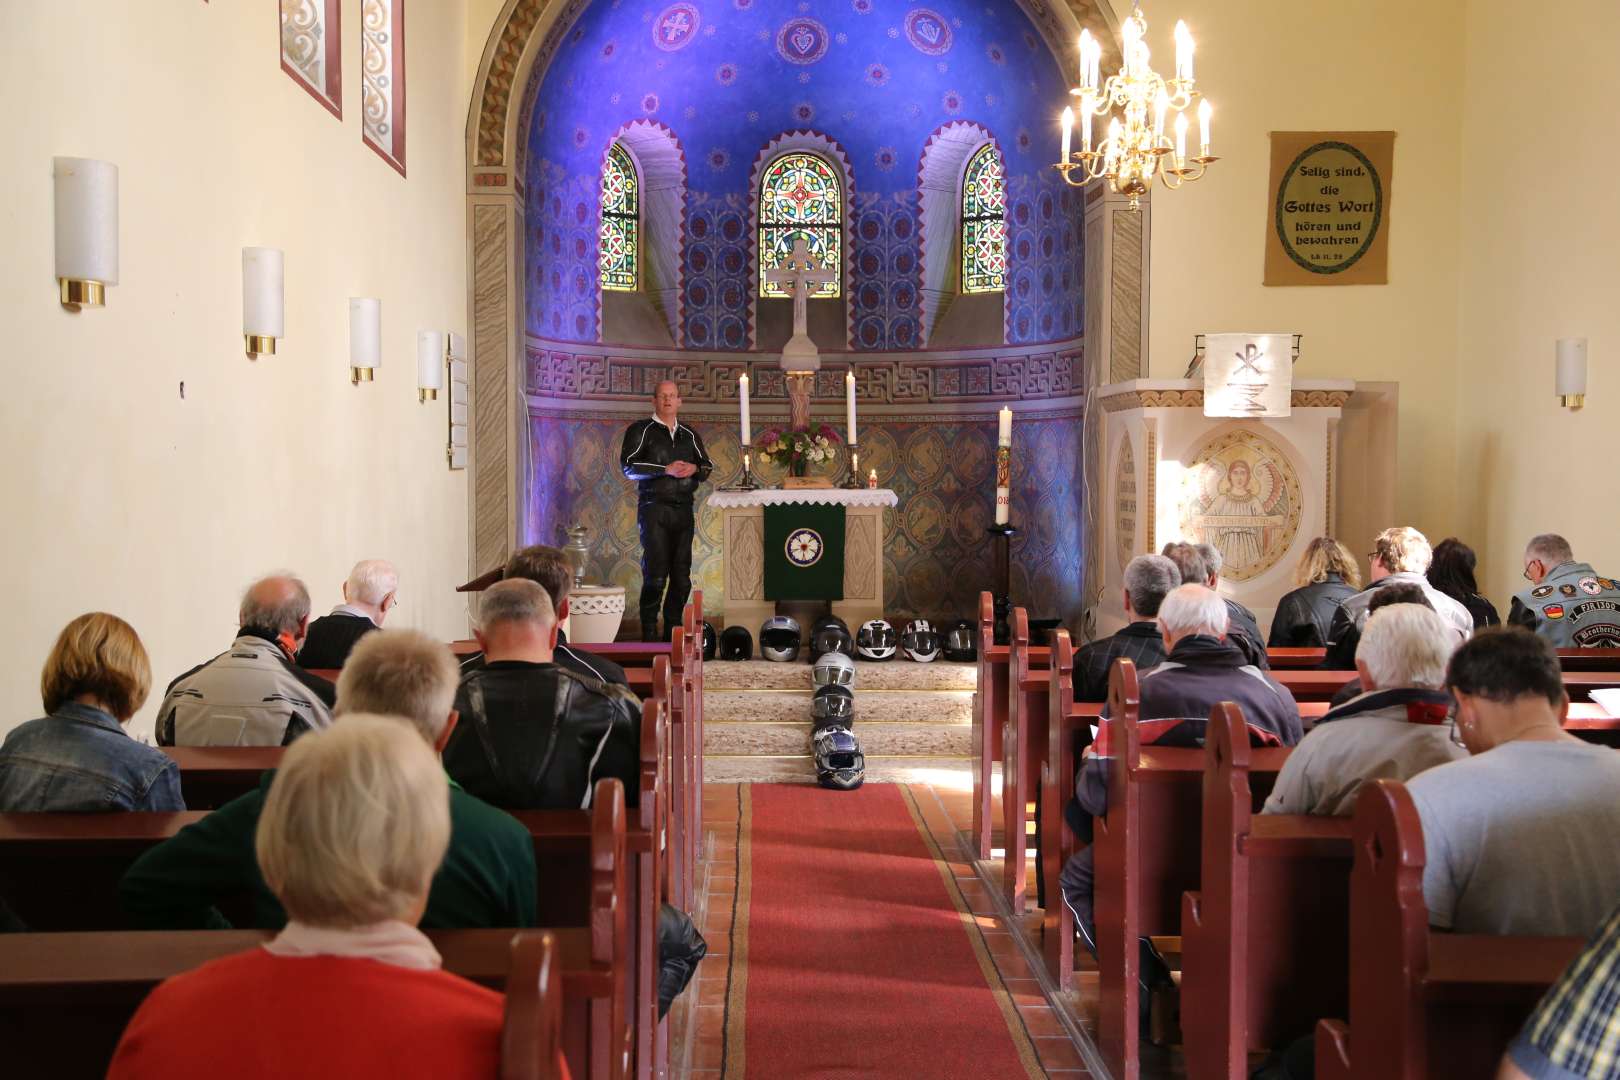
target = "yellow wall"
x: 1541, y: 261
x: 122, y: 496
x: 1282, y: 65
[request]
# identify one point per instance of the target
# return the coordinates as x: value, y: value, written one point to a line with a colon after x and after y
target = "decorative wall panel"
x: 382, y: 79
x: 311, y: 47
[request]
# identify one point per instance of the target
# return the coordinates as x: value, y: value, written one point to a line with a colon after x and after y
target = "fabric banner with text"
x: 1327, y: 220
x: 804, y: 552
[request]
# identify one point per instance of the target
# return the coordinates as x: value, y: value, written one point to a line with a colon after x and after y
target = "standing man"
x: 667, y: 461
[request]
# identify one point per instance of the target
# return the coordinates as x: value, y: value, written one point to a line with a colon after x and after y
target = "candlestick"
x: 852, y: 477
x: 849, y: 405
x: 1004, y: 466
x: 742, y: 399
x: 1181, y: 140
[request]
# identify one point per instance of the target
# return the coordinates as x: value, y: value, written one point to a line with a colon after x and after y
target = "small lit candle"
x: 1181, y: 140
x: 1184, y: 51
x: 871, y: 479
x: 849, y: 404
x: 742, y: 399
x: 1204, y: 111
x: 1068, y: 132
x: 1085, y: 59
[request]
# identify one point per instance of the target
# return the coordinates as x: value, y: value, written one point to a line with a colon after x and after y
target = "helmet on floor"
x: 959, y: 645
x: 779, y: 638
x: 736, y: 643
x: 833, y: 669
x: 833, y: 706
x: 831, y: 635
x: 876, y: 641
x: 919, y: 641
x: 711, y: 640
x: 839, y: 761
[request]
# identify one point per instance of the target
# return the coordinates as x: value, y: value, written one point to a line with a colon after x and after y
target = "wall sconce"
x: 430, y: 360
x: 263, y: 299
x: 365, y: 338
x: 86, y: 229
x: 1571, y: 372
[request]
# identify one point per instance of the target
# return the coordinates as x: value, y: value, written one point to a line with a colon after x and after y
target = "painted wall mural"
x: 877, y: 79
x: 1242, y: 494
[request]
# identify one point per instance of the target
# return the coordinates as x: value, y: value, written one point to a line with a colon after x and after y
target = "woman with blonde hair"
x: 78, y: 757
x: 1326, y: 574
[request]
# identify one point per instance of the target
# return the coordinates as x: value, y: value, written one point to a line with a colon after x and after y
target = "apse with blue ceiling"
x: 725, y: 80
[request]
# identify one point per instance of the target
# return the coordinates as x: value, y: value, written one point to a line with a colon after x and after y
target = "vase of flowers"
x: 799, y: 448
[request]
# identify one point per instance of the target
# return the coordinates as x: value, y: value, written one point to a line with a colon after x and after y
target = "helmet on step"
x: 876, y: 641
x: 959, y: 645
x: 736, y: 643
x: 833, y: 669
x: 919, y: 641
x: 839, y: 762
x: 779, y: 638
x: 833, y: 705
x: 711, y: 640
x: 832, y: 637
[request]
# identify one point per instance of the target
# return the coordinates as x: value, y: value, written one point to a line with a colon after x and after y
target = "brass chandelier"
x: 1136, y: 147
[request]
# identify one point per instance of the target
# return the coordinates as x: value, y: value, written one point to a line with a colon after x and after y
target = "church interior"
x: 1031, y: 354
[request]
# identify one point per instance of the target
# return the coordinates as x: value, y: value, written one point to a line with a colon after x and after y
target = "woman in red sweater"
x: 351, y: 835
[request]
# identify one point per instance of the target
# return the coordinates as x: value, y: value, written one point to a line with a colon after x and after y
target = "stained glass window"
x: 984, y: 223
x: 620, y: 203
x: 800, y: 196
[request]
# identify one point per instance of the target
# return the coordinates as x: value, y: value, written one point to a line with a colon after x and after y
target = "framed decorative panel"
x: 800, y: 195
x: 984, y: 222
x: 456, y: 451
x: 382, y: 79
x: 311, y: 41
x: 618, y: 251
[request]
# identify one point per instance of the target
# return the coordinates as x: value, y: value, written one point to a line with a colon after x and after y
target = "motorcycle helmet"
x: 876, y: 640
x: 736, y: 643
x: 959, y: 644
x: 711, y: 640
x: 833, y: 705
x: 832, y: 637
x: 779, y: 639
x: 920, y: 642
x: 839, y: 762
x: 833, y: 669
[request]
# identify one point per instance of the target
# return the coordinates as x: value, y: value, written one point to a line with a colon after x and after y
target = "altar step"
x: 914, y: 721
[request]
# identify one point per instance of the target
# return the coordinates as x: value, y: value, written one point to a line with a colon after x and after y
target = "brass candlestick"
x: 852, y: 474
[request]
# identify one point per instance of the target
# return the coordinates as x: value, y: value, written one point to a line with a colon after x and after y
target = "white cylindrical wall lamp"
x: 430, y: 359
x: 365, y: 338
x: 86, y: 230
x: 263, y: 299
x: 1571, y: 372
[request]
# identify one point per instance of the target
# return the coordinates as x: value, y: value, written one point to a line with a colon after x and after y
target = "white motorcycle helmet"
x: 920, y: 642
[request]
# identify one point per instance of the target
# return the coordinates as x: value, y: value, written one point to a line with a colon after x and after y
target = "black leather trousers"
x: 666, y: 565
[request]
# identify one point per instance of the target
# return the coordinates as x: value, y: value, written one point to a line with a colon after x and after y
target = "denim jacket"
x: 81, y: 759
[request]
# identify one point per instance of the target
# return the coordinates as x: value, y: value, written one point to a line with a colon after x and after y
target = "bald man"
x: 252, y: 694
x: 667, y: 461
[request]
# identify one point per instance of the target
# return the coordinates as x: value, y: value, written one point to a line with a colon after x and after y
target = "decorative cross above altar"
x: 798, y: 274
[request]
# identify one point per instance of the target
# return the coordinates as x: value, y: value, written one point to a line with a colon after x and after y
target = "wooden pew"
x: 1265, y: 938
x: 990, y: 702
x: 531, y: 1025
x: 65, y: 998
x: 1282, y: 658
x: 1024, y: 755
x: 1422, y: 1003
x: 1569, y: 659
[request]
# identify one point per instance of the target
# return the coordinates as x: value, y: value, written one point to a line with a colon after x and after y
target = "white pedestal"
x: 594, y: 614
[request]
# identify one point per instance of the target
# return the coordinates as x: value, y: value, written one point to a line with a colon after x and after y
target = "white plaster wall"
x: 119, y: 494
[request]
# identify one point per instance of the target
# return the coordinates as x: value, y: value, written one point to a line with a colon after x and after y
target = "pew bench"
x: 990, y: 704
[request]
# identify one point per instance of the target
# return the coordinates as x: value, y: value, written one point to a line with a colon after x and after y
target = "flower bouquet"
x: 799, y: 447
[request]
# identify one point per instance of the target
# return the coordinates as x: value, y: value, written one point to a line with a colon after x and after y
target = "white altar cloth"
x: 730, y: 500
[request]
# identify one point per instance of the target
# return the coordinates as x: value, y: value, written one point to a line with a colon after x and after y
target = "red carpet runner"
x: 852, y: 951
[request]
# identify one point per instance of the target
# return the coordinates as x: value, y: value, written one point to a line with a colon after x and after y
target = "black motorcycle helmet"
x: 779, y: 639
x: 960, y: 644
x: 840, y: 765
x: 711, y: 640
x: 831, y: 634
x: 833, y: 705
x: 736, y: 643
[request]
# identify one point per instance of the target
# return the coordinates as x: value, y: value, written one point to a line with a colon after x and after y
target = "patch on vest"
x: 1592, y: 605
x: 1541, y: 590
x: 1599, y: 636
x: 1607, y: 583
x: 1567, y: 590
x: 1590, y: 586
x: 1553, y: 611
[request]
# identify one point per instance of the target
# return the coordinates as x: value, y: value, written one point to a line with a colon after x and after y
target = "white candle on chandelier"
x: 1085, y: 124
x: 1161, y: 105
x: 1133, y: 38
x: 1068, y: 131
x: 742, y: 399
x: 1184, y: 51
x: 1204, y: 111
x: 1181, y: 139
x: 1085, y: 59
x: 849, y: 403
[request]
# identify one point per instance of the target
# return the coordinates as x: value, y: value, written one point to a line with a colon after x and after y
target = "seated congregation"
x: 415, y: 794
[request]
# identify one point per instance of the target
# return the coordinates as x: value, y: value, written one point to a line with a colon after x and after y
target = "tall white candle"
x: 1004, y: 433
x: 742, y: 398
x: 1068, y: 131
x: 849, y: 403
x: 1004, y: 466
x: 1204, y: 110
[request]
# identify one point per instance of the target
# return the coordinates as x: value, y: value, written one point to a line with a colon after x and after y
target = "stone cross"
x: 798, y: 274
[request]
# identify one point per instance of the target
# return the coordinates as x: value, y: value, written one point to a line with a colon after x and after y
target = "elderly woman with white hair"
x: 1398, y: 726
x: 350, y: 838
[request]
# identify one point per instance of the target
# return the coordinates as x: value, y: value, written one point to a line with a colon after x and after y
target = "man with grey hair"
x: 1200, y: 564
x: 1148, y: 580
x: 1395, y: 728
x: 1201, y: 669
x: 533, y: 734
x: 1566, y: 603
x: 371, y: 592
x: 253, y: 694
x: 488, y: 876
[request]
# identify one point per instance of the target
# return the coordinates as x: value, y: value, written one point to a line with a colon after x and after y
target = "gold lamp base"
x: 78, y: 293
x: 260, y: 345
x: 1572, y: 401
x: 427, y: 393
x: 358, y: 375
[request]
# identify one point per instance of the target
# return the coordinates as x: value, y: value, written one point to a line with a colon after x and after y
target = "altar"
x: 743, y: 550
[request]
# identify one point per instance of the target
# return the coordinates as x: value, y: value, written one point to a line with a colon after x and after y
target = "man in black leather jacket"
x: 534, y: 735
x: 667, y: 461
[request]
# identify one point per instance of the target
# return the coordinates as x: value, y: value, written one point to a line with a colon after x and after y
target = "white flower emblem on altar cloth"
x: 804, y: 547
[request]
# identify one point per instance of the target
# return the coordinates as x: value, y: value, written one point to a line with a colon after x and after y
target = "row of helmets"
x: 781, y: 640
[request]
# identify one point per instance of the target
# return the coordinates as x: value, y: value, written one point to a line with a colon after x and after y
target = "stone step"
x: 890, y: 675
x: 955, y: 773
x: 944, y: 707
x: 771, y: 739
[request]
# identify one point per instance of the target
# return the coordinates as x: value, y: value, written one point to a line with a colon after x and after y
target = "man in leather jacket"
x: 667, y: 461
x: 534, y: 735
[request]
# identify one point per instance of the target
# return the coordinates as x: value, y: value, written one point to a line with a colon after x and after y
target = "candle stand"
x: 852, y: 474
x: 1001, y: 578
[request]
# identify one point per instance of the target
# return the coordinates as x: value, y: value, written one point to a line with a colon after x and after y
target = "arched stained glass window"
x: 621, y: 201
x: 984, y: 223
x: 800, y: 196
